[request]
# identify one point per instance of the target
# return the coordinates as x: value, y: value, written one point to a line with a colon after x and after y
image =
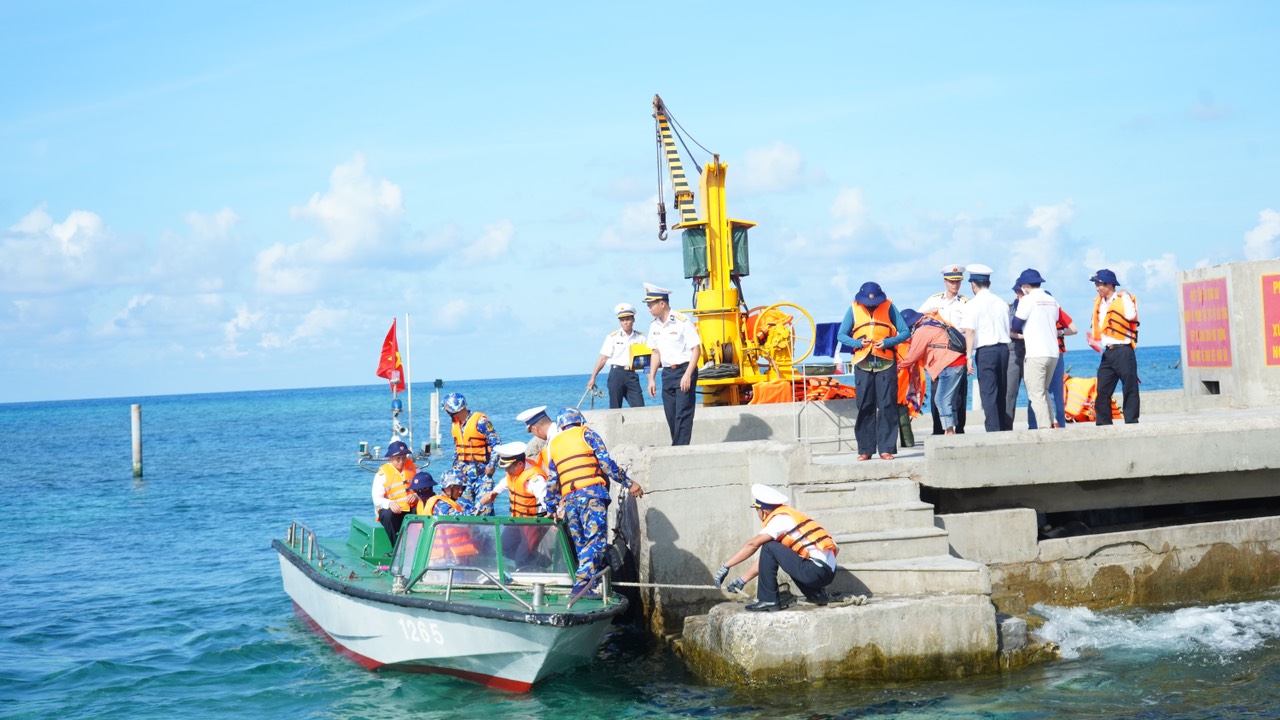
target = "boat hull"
x: 496, y: 651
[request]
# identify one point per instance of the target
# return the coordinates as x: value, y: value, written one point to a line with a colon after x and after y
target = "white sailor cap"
x: 624, y: 309
x: 953, y: 272
x: 980, y: 272
x: 653, y: 293
x: 531, y: 416
x: 510, y: 453
x: 766, y: 497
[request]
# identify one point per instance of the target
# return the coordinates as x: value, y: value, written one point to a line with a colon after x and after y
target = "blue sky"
x: 241, y: 195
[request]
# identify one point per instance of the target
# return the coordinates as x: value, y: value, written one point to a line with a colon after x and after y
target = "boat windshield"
x: 522, y: 550
x: 534, y: 549
x: 406, y: 548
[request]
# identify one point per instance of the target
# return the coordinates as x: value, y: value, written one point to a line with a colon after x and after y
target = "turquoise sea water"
x: 160, y: 597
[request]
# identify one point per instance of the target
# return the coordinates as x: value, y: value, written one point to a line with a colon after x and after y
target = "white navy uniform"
x: 951, y: 311
x: 947, y: 309
x: 623, y: 383
x: 676, y: 343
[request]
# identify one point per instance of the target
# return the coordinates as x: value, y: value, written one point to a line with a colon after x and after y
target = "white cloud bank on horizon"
x: 1260, y: 242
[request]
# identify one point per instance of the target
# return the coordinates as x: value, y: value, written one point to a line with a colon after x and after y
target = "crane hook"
x: 662, y: 220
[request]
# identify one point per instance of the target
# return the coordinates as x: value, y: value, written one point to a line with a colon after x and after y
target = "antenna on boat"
x: 408, y: 375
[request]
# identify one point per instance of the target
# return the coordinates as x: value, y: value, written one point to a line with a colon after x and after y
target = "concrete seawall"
x: 948, y: 536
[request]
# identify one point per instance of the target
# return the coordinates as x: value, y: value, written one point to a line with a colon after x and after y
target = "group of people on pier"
x: 566, y: 476
x: 953, y: 336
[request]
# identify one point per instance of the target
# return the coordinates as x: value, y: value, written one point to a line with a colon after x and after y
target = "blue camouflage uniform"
x: 478, y: 476
x: 586, y: 511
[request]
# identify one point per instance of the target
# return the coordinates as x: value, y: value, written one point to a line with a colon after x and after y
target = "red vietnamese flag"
x: 389, y: 366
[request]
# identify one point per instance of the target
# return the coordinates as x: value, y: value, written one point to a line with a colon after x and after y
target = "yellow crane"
x: 746, y: 345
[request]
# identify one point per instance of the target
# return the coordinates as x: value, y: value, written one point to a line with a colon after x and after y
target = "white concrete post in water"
x: 136, y: 412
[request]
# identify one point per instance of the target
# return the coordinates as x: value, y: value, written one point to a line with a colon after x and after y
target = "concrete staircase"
x: 889, y: 542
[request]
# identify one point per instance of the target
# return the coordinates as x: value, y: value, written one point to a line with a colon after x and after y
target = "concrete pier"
x: 975, y: 550
x: 955, y: 541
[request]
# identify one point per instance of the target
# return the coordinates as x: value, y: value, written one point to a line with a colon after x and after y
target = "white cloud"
x: 1259, y: 243
x: 777, y: 168
x: 849, y: 212
x: 320, y: 323
x: 39, y: 256
x: 491, y: 246
x: 1161, y: 271
x: 637, y: 228
x: 359, y: 218
x: 355, y: 213
x: 233, y: 328
x: 125, y: 321
x: 1043, y: 251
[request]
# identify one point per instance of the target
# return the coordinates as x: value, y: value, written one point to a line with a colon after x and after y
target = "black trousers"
x: 809, y: 576
x: 1119, y: 363
x: 960, y: 405
x: 624, y: 384
x: 991, y: 363
x: 679, y: 404
x: 391, y: 522
x: 876, y: 427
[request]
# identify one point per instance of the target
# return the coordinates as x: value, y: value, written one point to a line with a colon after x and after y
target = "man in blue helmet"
x: 392, y: 499
x: 578, y: 475
x: 474, y: 449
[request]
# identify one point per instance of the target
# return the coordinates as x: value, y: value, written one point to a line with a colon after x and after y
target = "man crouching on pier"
x: 788, y: 539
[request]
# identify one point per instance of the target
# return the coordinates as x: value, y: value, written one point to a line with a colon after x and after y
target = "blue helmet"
x: 422, y: 482
x: 451, y: 478
x: 453, y: 402
x: 568, y: 417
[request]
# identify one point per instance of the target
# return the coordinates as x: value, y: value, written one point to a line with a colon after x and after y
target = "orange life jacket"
x: 452, y: 542
x: 1115, y: 325
x: 576, y: 463
x: 471, y: 444
x: 396, y: 487
x: 874, y: 326
x: 804, y: 535
x: 523, y: 502
x: 1081, y: 398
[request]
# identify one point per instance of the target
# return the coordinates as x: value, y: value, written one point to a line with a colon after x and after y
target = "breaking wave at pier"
x: 1217, y: 633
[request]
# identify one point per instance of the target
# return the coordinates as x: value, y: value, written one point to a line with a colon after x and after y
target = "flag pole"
x: 408, y: 383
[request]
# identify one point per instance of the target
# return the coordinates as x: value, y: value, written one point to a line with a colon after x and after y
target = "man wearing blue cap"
x: 985, y: 322
x: 1115, y: 334
x: 872, y: 326
x: 392, y: 499
x: 676, y: 347
x: 1037, y: 319
x: 619, y: 351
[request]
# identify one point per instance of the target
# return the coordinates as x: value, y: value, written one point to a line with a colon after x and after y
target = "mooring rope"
x: 663, y: 585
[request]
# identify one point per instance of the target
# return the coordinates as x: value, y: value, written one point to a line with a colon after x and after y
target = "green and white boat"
x: 482, y: 598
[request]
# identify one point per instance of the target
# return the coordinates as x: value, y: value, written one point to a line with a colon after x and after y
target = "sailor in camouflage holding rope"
x: 578, y: 476
x: 474, y: 450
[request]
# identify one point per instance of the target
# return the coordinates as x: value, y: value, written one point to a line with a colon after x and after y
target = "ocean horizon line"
x: 417, y: 384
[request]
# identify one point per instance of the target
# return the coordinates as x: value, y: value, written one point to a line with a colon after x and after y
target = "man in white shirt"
x: 676, y: 347
x: 985, y: 322
x: 790, y: 540
x: 1114, y: 333
x: 617, y: 352
x: 949, y: 305
x: 1037, y: 320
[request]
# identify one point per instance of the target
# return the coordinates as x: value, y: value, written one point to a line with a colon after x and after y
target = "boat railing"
x: 303, y: 539
x: 453, y: 569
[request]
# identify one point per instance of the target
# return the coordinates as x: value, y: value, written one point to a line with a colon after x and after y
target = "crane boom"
x: 745, y: 346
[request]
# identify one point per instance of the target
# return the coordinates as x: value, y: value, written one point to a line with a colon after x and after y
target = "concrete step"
x: 875, y: 518
x: 938, y: 575
x: 817, y: 497
x: 864, y: 547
